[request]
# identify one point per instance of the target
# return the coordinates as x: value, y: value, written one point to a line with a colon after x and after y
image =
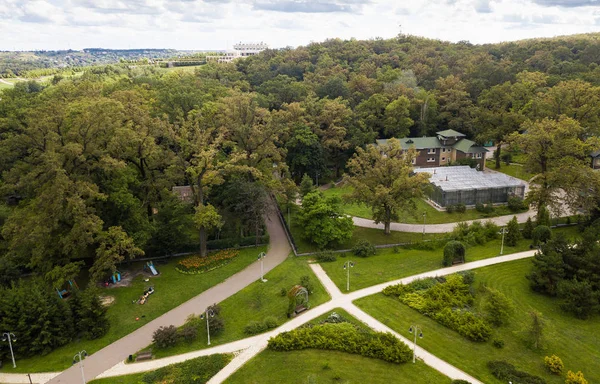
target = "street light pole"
x: 347, y: 265
x: 208, y: 312
x: 424, y: 214
x: 80, y: 355
x: 261, y: 257
x: 502, y: 246
x: 417, y: 330
x: 10, y: 337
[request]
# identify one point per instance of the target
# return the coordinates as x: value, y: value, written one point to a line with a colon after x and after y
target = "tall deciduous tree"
x: 321, y: 220
x: 381, y: 177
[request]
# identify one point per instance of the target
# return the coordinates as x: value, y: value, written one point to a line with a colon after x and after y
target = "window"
x: 478, y: 156
x: 431, y: 150
x: 430, y: 159
x: 443, y: 159
x: 443, y: 150
x: 414, y: 161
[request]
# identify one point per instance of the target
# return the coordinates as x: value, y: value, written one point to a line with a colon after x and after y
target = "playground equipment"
x: 144, y: 297
x: 116, y: 277
x: 150, y: 266
x: 64, y: 293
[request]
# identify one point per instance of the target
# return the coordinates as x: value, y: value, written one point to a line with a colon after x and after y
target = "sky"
x: 218, y: 24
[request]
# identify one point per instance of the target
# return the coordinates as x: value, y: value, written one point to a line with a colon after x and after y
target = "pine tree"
x: 528, y: 228
x: 306, y: 185
x: 513, y: 232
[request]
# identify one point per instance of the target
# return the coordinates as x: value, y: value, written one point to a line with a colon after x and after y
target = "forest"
x: 87, y: 164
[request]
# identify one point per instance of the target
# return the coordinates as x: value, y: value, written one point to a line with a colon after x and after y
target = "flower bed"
x: 197, y: 264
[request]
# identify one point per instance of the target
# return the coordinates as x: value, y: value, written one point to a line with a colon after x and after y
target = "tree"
x: 165, y: 337
x: 206, y: 218
x: 528, y: 228
x: 381, y: 177
x: 548, y: 267
x: 536, y: 329
x: 541, y: 234
x: 304, y: 152
x: 306, y: 185
x: 453, y: 251
x: 513, y: 232
x: 397, y: 120
x: 115, y: 246
x: 89, y: 315
x: 498, y: 307
x: 580, y: 298
x: 321, y: 222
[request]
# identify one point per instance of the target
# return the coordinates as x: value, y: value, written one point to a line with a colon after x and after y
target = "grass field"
x: 256, y: 302
x: 574, y: 341
x: 171, y: 289
x: 513, y: 170
x: 432, y: 215
x: 387, y: 265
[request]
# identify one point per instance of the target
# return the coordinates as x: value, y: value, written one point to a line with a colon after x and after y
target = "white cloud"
x: 217, y: 24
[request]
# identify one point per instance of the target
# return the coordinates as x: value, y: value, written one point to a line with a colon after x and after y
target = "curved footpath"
x: 440, y: 228
x: 118, y: 351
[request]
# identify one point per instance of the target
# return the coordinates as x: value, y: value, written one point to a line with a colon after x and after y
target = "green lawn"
x: 5, y: 86
x: 513, y: 170
x: 135, y: 378
x: 387, y: 265
x: 171, y: 289
x: 432, y: 215
x: 256, y: 302
x: 574, y: 341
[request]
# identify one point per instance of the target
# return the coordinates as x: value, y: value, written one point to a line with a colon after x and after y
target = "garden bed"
x: 197, y: 264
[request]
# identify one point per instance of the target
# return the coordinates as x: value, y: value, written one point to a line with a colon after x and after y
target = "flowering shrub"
x: 554, y: 364
x: 197, y: 264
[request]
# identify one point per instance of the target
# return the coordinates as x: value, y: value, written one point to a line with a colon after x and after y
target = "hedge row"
x: 344, y: 337
x: 507, y: 372
x: 195, y: 371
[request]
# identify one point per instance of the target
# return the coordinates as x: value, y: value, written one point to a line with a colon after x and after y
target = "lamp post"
x: 10, y: 337
x: 347, y: 265
x: 208, y: 313
x: 317, y: 173
x: 80, y: 355
x: 261, y: 257
x: 502, y: 246
x: 424, y: 215
x: 417, y: 330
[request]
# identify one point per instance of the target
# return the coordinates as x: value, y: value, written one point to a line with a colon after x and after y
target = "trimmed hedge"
x: 344, y: 337
x: 256, y: 327
x: 195, y: 371
x: 507, y: 372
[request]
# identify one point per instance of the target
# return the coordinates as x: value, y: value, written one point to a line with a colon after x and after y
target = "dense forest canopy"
x: 87, y: 164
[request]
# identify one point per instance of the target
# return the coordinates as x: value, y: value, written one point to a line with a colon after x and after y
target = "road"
x: 118, y: 351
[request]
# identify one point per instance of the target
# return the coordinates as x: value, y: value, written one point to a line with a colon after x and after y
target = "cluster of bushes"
x: 507, y: 372
x: 554, y: 364
x: 447, y: 301
x: 326, y: 256
x: 167, y: 337
x: 197, y: 264
x: 460, y: 208
x: 256, y: 327
x: 487, y: 209
x: 364, y: 248
x: 42, y: 321
x: 344, y: 337
x: 194, y: 371
x: 476, y: 233
x: 517, y: 204
x: 454, y: 251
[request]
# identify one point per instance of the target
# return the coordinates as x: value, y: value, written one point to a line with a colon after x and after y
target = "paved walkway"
x: 118, y: 351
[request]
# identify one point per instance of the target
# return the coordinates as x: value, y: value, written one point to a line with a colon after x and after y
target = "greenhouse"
x: 465, y: 185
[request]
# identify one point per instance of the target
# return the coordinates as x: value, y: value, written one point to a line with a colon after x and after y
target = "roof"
x: 468, y: 146
x: 415, y: 142
x: 462, y: 178
x: 595, y: 154
x: 450, y: 133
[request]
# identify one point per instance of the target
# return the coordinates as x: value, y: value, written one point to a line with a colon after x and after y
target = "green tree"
x: 528, y: 228
x: 453, y: 251
x: 382, y: 178
x: 513, y: 232
x: 580, y: 298
x: 498, y: 307
x: 397, y: 120
x: 321, y: 222
x: 89, y: 315
x: 115, y: 246
x: 306, y: 185
x: 536, y: 329
x: 548, y: 267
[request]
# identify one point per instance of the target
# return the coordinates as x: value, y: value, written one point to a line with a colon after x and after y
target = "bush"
x: 194, y: 371
x: 554, y: 364
x: 468, y: 277
x: 507, y: 158
x: 216, y: 323
x: 479, y: 207
x: 516, y: 204
x: 165, y: 337
x: 323, y: 257
x: 453, y: 251
x: 488, y: 209
x: 188, y: 333
x: 306, y: 283
x: 497, y: 307
x: 343, y: 337
x: 465, y: 323
x: 507, y: 372
x: 541, y: 234
x: 460, y: 208
x: 528, y: 229
x: 498, y: 343
x: 450, y: 209
x: 364, y: 248
x: 270, y: 322
x: 255, y: 327
x: 575, y: 378
x: 460, y: 382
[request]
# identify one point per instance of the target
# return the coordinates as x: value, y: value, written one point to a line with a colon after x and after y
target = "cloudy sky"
x: 218, y: 24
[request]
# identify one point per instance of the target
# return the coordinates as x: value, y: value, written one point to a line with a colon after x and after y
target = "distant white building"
x: 240, y: 50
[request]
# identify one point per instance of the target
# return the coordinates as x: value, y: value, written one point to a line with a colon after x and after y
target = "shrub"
x: 460, y: 382
x: 541, y: 234
x: 498, y: 343
x: 489, y: 209
x: 468, y: 277
x: 554, y: 364
x: 507, y: 372
x: 165, y: 337
x: 528, y: 229
x: 197, y: 264
x: 507, y: 158
x: 283, y: 292
x: 453, y: 251
x: 513, y: 232
x: 479, y: 207
x: 575, y: 378
x: 465, y: 323
x: 188, y: 333
x: 306, y: 283
x: 271, y: 322
x: 450, y: 209
x: 255, y: 327
x: 460, y: 208
x: 364, y: 249
x: 326, y: 257
x: 216, y: 323
x: 194, y: 371
x: 343, y: 337
x: 516, y: 204
x: 497, y: 307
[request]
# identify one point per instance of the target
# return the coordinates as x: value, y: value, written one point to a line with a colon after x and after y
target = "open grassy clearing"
x: 387, y: 265
x: 432, y: 215
x: 171, y: 289
x: 513, y: 170
x: 573, y: 340
x: 254, y: 303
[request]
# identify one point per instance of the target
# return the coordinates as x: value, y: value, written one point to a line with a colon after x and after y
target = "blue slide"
x: 152, y: 269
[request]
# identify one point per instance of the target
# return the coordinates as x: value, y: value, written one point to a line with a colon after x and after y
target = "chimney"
x: 446, y: 177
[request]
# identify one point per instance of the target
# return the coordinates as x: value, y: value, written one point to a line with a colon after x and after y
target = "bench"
x: 144, y: 356
x: 457, y: 262
x: 300, y: 309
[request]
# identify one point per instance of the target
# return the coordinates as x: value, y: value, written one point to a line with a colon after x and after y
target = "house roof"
x: 461, y: 178
x: 415, y: 142
x: 450, y: 133
x: 468, y: 146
